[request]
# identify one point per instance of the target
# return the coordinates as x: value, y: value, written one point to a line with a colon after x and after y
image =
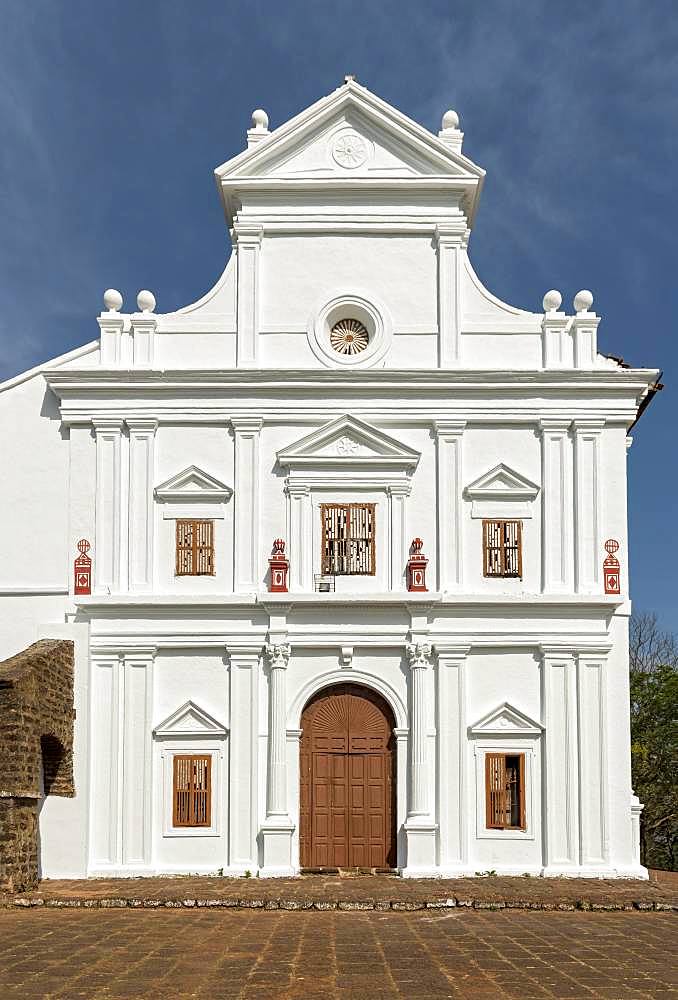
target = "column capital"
x: 245, y: 425
x: 248, y: 655
x: 448, y: 653
x: 449, y: 428
x: 247, y: 234
x: 399, y: 489
x: 296, y: 489
x: 419, y: 655
x: 560, y: 654
x: 451, y: 235
x: 591, y: 425
x: 554, y: 425
x: 278, y: 655
x: 140, y: 424
x: 107, y: 424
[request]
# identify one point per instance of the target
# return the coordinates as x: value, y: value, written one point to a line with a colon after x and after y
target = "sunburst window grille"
x: 349, y: 336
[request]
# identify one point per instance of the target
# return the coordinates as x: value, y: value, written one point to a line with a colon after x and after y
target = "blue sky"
x: 114, y: 114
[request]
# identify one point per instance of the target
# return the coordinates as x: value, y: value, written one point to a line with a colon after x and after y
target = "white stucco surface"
x: 461, y: 408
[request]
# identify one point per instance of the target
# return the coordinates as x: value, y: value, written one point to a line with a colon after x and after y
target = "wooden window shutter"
x: 348, y: 539
x: 495, y: 785
x: 195, y: 548
x: 505, y: 791
x: 192, y: 790
x: 503, y: 548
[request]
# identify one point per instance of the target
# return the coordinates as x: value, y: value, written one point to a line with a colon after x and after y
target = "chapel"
x: 339, y: 552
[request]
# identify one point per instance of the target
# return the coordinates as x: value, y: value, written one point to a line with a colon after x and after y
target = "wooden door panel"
x: 346, y: 797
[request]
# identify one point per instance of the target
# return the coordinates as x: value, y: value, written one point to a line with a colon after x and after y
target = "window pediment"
x: 506, y: 721
x: 501, y: 492
x: 190, y: 721
x: 349, y: 444
x: 193, y: 484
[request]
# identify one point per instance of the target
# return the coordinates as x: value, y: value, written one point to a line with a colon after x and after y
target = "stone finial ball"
x: 583, y: 300
x: 112, y: 299
x: 450, y: 119
x: 146, y: 301
x: 259, y: 119
x: 552, y: 300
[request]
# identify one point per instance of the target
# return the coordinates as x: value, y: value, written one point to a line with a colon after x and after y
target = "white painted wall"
x: 225, y: 384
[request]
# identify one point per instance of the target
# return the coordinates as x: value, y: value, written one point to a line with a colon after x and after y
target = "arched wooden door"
x: 347, y: 802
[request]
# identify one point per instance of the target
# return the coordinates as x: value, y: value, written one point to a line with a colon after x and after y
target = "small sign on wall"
x: 82, y: 568
x: 611, y: 571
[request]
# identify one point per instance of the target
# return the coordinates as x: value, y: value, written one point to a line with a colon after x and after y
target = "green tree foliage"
x: 654, y: 738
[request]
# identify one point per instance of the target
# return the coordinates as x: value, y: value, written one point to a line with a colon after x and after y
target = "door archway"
x: 348, y: 780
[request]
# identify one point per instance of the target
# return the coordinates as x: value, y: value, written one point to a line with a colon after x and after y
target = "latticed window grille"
x: 195, y: 548
x: 192, y: 790
x: 505, y: 791
x: 348, y: 539
x: 502, y: 548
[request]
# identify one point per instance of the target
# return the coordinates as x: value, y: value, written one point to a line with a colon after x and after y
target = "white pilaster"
x: 451, y: 770
x: 587, y: 506
x: 248, y: 247
x: 112, y: 351
x: 105, y: 777
x: 243, y: 779
x: 560, y: 799
x: 593, y: 773
x: 299, y: 532
x: 144, y: 325
x: 556, y: 340
x: 108, y: 529
x: 449, y: 246
x: 449, y: 440
x: 420, y: 827
x: 585, y: 339
x: 247, y: 571
x: 397, y: 499
x: 556, y: 500
x: 278, y: 828
x: 136, y: 799
x: 141, y: 526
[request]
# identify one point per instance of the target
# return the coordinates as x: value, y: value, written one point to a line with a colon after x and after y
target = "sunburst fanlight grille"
x: 349, y: 336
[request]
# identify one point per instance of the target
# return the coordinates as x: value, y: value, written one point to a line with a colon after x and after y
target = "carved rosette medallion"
x: 349, y: 150
x: 349, y: 336
x: 347, y: 446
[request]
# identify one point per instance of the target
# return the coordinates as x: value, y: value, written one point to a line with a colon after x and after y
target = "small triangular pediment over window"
x: 193, y: 484
x: 348, y: 442
x: 506, y: 721
x: 502, y: 483
x: 190, y: 720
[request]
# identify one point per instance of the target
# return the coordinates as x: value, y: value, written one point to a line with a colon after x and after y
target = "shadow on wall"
x: 36, y: 751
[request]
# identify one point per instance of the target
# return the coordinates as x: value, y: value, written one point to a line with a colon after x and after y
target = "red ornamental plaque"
x: 611, y: 568
x: 279, y: 565
x: 82, y: 568
x: 416, y: 567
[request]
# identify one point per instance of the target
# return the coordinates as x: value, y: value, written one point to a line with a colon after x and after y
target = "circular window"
x: 349, y: 336
x: 350, y: 331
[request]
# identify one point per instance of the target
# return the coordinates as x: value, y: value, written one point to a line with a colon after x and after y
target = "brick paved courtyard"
x: 172, y: 954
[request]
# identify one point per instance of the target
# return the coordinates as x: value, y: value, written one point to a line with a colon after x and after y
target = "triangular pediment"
x: 190, y: 720
x: 193, y: 484
x: 316, y: 142
x: 348, y: 441
x: 506, y: 721
x: 502, y: 483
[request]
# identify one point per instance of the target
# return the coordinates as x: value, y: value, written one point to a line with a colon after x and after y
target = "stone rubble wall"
x: 36, y: 704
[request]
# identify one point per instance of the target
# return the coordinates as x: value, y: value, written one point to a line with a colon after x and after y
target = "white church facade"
x: 351, y: 533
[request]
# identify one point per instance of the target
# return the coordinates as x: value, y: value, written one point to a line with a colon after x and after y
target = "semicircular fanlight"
x: 349, y: 336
